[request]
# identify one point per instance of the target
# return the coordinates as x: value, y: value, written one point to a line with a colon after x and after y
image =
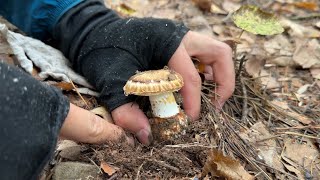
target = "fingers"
x: 224, y: 76
x: 218, y: 55
x: 130, y: 117
x: 181, y: 63
x: 83, y: 126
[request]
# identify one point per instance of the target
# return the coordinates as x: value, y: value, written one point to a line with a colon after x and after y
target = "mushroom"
x: 169, y: 120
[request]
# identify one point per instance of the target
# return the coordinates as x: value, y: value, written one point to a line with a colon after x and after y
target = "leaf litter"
x: 269, y: 128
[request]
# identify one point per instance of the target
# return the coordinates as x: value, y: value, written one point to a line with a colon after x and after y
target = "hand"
x: 215, y: 54
x: 84, y: 126
x: 111, y: 52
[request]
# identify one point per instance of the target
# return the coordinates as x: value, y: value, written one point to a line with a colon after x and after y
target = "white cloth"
x: 51, y: 62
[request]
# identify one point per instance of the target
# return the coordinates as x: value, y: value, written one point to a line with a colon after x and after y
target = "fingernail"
x: 145, y: 136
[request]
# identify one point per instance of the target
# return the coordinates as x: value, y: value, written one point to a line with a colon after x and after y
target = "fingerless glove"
x: 108, y: 50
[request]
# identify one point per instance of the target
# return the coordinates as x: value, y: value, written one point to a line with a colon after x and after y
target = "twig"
x: 245, y: 102
x: 299, y: 127
x: 268, y: 138
x: 240, y: 66
x: 312, y: 163
x: 188, y: 145
x: 78, y: 93
x: 298, y: 134
x: 266, y: 165
x: 162, y: 163
x: 100, y: 171
x: 139, y: 169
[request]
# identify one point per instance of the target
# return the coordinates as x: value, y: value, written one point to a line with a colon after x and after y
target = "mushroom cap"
x: 153, y: 82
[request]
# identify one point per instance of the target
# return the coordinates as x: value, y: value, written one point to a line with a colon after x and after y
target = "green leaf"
x: 253, y: 19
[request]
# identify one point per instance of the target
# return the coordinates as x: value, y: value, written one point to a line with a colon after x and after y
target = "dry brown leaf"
x: 66, y: 86
x: 315, y: 72
x: 307, y: 53
x: 110, y: 170
x: 303, y: 89
x: 313, y: 6
x: 267, y: 81
x: 302, y: 153
x: 267, y: 149
x: 294, y: 170
x: 254, y: 65
x: 280, y: 49
x: 300, y: 30
x: 216, y: 9
x: 200, y: 25
x: 204, y: 5
x: 230, y: 6
x: 285, y: 107
x: 103, y: 112
x: 219, y: 165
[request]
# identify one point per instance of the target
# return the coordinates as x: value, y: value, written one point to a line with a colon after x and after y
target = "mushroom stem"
x: 164, y: 105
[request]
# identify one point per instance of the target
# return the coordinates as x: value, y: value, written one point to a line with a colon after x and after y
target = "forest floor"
x: 269, y: 128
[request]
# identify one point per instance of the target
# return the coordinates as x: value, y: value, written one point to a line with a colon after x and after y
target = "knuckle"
x: 96, y: 126
x: 225, y: 48
x: 195, y: 79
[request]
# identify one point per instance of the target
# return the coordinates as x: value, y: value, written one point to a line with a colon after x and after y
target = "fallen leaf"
x: 4, y: 46
x: 294, y: 170
x: 300, y: 157
x: 278, y: 44
x: 216, y: 9
x: 125, y: 9
x: 298, y: 30
x: 267, y: 149
x: 303, y: 89
x: 66, y: 86
x: 254, y: 20
x: 317, y: 24
x: 315, y: 72
x: 204, y: 5
x: 219, y: 165
x: 285, y: 108
x: 230, y: 6
x: 200, y: 25
x: 303, y: 153
x: 253, y: 66
x: 313, y: 6
x: 102, y: 112
x: 110, y: 170
x: 267, y: 81
x: 307, y: 53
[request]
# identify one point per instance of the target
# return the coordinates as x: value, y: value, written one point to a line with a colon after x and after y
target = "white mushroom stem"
x: 164, y: 105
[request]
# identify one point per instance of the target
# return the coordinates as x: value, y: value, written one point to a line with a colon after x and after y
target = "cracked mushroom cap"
x: 153, y: 82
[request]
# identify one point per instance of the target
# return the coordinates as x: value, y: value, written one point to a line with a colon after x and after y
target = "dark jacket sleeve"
x: 31, y: 115
x: 36, y: 17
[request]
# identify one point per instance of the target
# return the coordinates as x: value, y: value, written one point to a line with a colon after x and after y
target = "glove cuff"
x: 75, y: 24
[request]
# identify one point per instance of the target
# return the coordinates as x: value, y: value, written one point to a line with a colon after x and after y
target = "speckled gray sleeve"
x: 31, y: 115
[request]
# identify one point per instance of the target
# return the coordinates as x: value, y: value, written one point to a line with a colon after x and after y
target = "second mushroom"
x: 169, y: 120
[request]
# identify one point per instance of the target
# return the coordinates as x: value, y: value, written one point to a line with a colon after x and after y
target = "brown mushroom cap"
x: 153, y: 82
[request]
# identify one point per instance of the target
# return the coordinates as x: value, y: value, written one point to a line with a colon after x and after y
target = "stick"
x: 78, y: 93
x: 245, y: 102
x: 298, y: 134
